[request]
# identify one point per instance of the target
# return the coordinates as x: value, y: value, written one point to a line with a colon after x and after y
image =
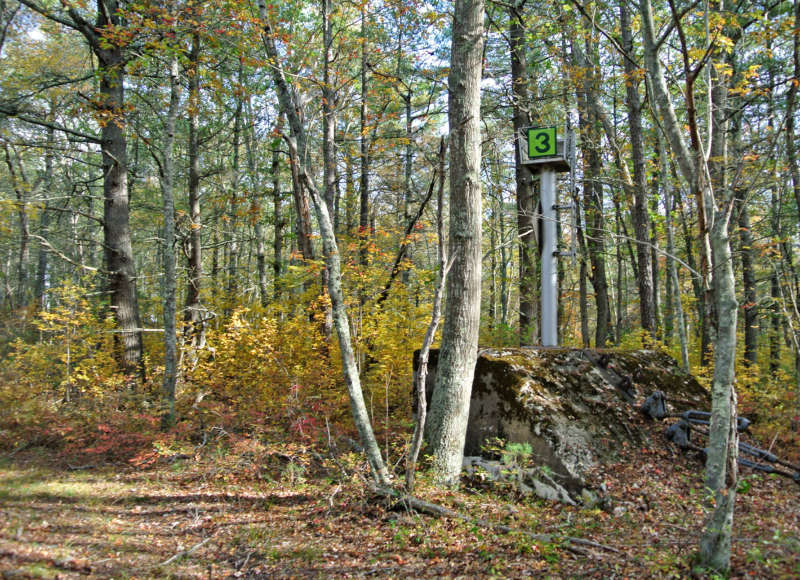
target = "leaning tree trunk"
x: 296, y: 140
x: 450, y: 403
x: 722, y: 444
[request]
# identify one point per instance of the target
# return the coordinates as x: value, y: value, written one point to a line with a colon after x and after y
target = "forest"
x: 227, y: 227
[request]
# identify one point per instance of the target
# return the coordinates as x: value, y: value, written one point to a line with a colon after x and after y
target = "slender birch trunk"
x: 296, y: 140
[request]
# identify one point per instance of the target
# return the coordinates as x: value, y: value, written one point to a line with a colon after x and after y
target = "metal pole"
x: 547, y: 179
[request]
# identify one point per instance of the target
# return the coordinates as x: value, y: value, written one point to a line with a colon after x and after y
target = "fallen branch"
x: 18, y: 448
x: 82, y: 467
x: 186, y: 552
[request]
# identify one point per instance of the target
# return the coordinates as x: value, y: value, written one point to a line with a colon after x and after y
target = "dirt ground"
x: 252, y: 512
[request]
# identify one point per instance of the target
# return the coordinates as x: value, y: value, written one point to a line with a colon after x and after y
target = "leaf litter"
x: 283, y: 510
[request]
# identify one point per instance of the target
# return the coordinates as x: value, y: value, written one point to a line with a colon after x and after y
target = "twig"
x: 82, y: 467
x: 183, y: 553
x: 20, y: 447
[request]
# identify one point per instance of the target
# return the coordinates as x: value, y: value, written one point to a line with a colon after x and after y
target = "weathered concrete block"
x: 574, y: 407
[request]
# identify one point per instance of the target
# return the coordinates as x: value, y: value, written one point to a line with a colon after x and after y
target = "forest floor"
x: 238, y: 508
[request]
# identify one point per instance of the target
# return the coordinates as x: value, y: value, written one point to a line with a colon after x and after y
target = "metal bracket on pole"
x: 544, y: 153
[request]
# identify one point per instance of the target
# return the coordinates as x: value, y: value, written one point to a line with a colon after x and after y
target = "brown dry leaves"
x: 267, y: 513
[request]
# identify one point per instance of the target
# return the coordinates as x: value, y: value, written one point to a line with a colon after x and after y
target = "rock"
x: 655, y: 406
x: 526, y: 481
x: 678, y: 433
x: 545, y: 487
x: 589, y: 499
x: 574, y: 407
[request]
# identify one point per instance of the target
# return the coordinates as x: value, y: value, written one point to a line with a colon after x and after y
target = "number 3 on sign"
x: 541, y: 142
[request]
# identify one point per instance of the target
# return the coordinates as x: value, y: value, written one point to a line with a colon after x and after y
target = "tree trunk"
x: 589, y: 121
x: 110, y: 105
x: 722, y: 451
x: 119, y: 259
x: 723, y: 440
x: 640, y: 217
x: 409, y: 158
x: 328, y: 137
x: 747, y: 253
x: 583, y: 301
x: 791, y: 106
x: 422, y: 372
x: 256, y: 196
x: 620, y: 283
x: 277, y: 219
x: 672, y: 268
x: 363, y: 214
x: 19, y: 186
x: 328, y: 110
x: 450, y: 404
x: 40, y: 290
x: 233, y: 203
x: 194, y: 331
x: 170, y: 283
x: 526, y: 210
x: 303, y: 230
x: 297, y: 136
x: 593, y: 207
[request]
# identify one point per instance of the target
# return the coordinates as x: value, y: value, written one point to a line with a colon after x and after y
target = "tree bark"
x: 328, y: 136
x: 672, y: 268
x: 297, y: 136
x: 278, y: 221
x: 714, y: 207
x: 723, y: 440
x: 430, y: 333
x: 256, y: 196
x: 526, y: 210
x: 450, y: 402
x: 170, y: 282
x: 640, y: 217
x: 19, y: 186
x: 687, y: 160
x: 234, y: 199
x: 589, y: 120
x: 118, y: 253
x: 791, y: 107
x: 194, y: 331
x: 750, y: 307
x: 364, y: 146
x: 40, y: 290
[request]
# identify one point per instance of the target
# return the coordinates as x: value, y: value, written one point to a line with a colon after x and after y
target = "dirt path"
x: 222, y: 517
x: 174, y: 522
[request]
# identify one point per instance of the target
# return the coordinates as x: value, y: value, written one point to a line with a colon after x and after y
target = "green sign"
x: 541, y: 142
